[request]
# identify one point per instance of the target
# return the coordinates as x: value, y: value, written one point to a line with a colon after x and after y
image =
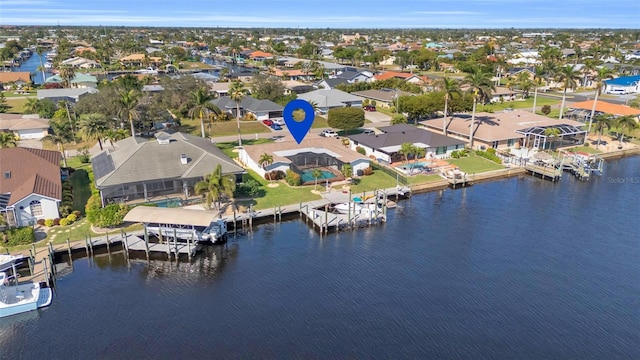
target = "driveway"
x: 376, y: 117
x: 30, y: 143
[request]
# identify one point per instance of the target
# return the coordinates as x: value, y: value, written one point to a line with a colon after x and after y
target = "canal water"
x: 514, y: 269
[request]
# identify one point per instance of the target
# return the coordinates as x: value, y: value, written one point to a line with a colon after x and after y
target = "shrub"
x: 85, y: 157
x: 48, y: 223
x: 110, y: 215
x: 367, y: 171
x: 292, y: 178
x: 40, y: 222
x: 65, y: 210
x: 491, y: 151
x: 490, y: 156
x: 347, y: 170
x: 19, y: 236
x: 66, y: 186
x: 546, y: 109
x: 361, y: 150
x: 398, y: 119
x: 77, y: 213
x: 64, y: 222
x: 56, y: 221
x: 274, y: 175
x: 72, y: 218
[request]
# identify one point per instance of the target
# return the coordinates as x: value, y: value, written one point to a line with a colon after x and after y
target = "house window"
x: 494, y: 144
x: 511, y: 142
x: 36, y: 208
x: 441, y: 150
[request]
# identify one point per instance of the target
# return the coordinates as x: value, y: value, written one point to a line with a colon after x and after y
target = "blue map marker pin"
x: 298, y: 129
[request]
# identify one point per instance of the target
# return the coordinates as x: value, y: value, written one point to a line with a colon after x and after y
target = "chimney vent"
x: 183, y: 159
x: 7, y: 174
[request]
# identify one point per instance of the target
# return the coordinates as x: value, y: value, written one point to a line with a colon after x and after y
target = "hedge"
x: 18, y: 236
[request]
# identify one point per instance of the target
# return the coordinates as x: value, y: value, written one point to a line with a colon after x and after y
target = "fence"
x: 401, y: 178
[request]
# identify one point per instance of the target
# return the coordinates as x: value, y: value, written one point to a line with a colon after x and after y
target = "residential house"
x: 260, y: 109
x: 17, y: 79
x: 350, y: 38
x: 24, y: 127
x: 313, y: 151
x: 72, y: 95
x: 79, y: 80
x: 385, y: 147
x: 353, y: 76
x: 383, y: 97
x: 260, y: 56
x: 408, y: 77
x: 81, y: 63
x: 219, y: 88
x: 325, y: 100
x: 329, y: 83
x: 137, y: 60
x: 296, y: 87
x: 140, y: 168
x: 581, y: 111
x: 293, y: 74
x: 509, y: 129
x: 30, y: 185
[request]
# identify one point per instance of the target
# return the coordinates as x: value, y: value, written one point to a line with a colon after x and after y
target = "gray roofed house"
x: 353, y: 76
x: 70, y: 95
x: 170, y: 164
x: 384, y: 97
x: 261, y: 109
x: 332, y: 98
x: 328, y: 84
x: 385, y: 146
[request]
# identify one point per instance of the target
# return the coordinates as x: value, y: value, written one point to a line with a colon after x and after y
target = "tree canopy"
x: 347, y: 118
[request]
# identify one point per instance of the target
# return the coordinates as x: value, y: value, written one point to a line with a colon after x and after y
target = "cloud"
x: 22, y: 3
x: 446, y: 12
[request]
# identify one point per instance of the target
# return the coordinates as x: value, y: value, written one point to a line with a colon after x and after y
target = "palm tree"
x: 552, y: 133
x: 449, y: 86
x: 316, y: 173
x: 481, y: 86
x: 265, y: 160
x: 237, y: 92
x: 93, y: 127
x: 31, y: 106
x: 538, y: 75
x: 7, y: 139
x: 60, y: 134
x: 569, y: 76
x: 200, y: 105
x: 602, y: 74
x: 128, y: 101
x: 406, y: 149
x: 114, y: 135
x: 215, y: 185
x: 67, y: 73
x: 626, y: 124
x: 603, y: 121
x: 40, y: 51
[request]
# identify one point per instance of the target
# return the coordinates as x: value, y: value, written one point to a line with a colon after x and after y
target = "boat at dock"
x: 17, y: 298
x: 8, y: 261
x: 357, y: 207
x: 148, y: 71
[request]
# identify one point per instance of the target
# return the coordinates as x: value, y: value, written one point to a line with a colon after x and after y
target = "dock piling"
x: 69, y: 252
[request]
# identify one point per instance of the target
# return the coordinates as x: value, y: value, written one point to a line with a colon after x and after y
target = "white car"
x: 368, y: 132
x: 329, y: 133
x: 279, y: 121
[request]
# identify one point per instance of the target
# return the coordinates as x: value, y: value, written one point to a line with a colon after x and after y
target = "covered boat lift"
x: 185, y: 224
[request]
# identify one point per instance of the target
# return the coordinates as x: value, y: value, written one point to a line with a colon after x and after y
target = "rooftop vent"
x: 184, y: 159
x: 7, y: 175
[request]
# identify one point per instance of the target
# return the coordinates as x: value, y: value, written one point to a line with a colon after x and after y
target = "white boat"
x: 214, y: 233
x: 16, y: 299
x: 7, y: 261
x: 357, y: 208
x: 149, y: 71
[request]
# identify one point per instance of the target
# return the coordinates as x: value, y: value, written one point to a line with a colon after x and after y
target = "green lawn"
x: 319, y: 122
x: 521, y: 104
x: 224, y: 128
x: 474, y: 164
x: 228, y: 147
x: 12, y: 93
x: 586, y: 149
x: 79, y: 230
x: 378, y: 180
x: 281, y: 195
x: 422, y: 179
x: 17, y: 105
x: 81, y: 189
x: 74, y: 162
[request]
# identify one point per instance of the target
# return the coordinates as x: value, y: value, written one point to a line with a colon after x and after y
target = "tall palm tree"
x: 538, y: 76
x: 602, y: 121
x: 31, y: 106
x: 128, y: 101
x: 60, y: 134
x: 237, y: 92
x: 449, y: 86
x: 7, y: 139
x: 114, y: 135
x: 200, y: 105
x: 215, y: 185
x: 569, y: 77
x: 316, y: 173
x: 602, y: 74
x: 265, y: 160
x: 67, y: 73
x: 93, y: 127
x: 552, y: 133
x: 406, y: 149
x: 40, y: 51
x: 481, y: 87
x: 625, y: 125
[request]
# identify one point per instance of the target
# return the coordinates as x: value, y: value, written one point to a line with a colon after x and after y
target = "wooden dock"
x: 545, y: 172
x: 169, y: 247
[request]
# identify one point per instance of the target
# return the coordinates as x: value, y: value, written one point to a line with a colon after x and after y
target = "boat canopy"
x: 158, y: 215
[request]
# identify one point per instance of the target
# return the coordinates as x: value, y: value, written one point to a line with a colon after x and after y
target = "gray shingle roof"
x: 138, y: 159
x: 398, y: 134
x: 329, y: 98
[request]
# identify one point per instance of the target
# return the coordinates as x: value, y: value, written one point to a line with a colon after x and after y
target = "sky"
x: 345, y: 14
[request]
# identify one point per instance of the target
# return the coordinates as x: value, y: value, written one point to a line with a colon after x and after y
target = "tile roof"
x: 394, y: 74
x: 9, y: 76
x: 606, y: 107
x: 15, y: 122
x: 259, y: 53
x: 137, y: 159
x: 32, y: 171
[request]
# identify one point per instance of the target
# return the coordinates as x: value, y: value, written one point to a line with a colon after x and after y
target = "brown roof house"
x: 29, y: 126
x: 30, y: 185
x: 18, y: 78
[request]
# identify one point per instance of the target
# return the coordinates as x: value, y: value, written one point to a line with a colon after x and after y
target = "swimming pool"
x: 307, y: 176
x: 414, y: 167
x: 168, y: 203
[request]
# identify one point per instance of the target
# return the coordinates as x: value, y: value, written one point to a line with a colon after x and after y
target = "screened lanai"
x: 538, y: 137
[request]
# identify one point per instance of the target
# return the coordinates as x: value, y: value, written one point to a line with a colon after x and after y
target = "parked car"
x: 329, y: 133
x: 368, y: 132
x: 369, y: 108
x: 275, y: 126
x: 267, y: 122
x: 279, y: 121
